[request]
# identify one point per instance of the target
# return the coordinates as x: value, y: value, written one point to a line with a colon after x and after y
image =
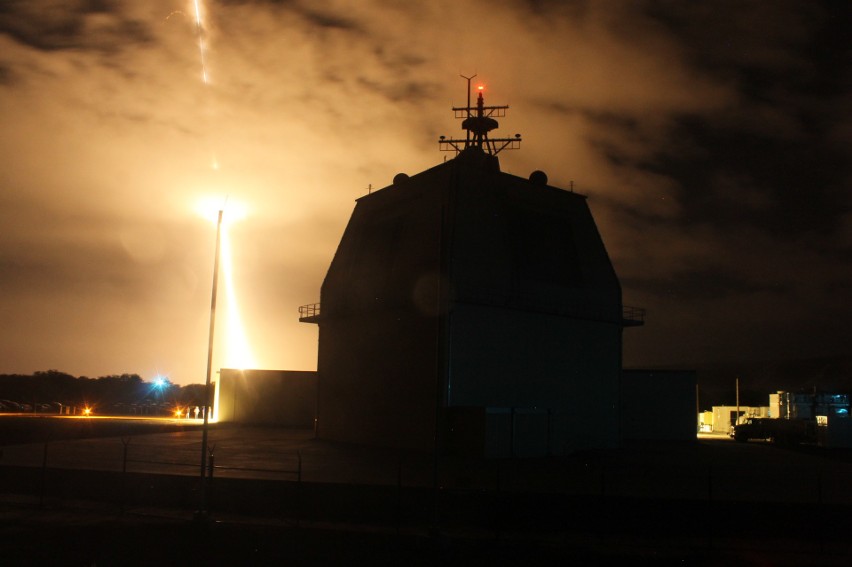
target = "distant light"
x: 178, y: 412
x: 87, y: 411
x: 160, y: 382
x: 480, y: 88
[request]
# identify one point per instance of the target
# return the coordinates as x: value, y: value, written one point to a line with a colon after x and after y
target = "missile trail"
x: 199, y: 31
x: 239, y: 353
x: 237, y: 349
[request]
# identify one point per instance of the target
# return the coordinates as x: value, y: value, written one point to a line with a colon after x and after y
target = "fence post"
x: 43, y: 476
x: 710, y: 483
x: 398, y: 511
x: 299, y: 495
x: 123, y: 496
x: 819, y: 509
x: 710, y: 507
x: 207, y: 481
x: 819, y: 486
x: 125, y: 441
x: 498, y: 501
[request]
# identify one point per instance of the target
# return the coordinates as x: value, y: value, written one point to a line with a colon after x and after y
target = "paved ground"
x: 643, y: 505
x: 252, y: 453
x: 713, y: 467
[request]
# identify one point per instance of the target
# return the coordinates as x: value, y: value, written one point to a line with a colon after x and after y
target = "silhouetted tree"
x: 49, y: 390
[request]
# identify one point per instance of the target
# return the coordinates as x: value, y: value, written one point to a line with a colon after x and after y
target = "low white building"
x: 726, y: 416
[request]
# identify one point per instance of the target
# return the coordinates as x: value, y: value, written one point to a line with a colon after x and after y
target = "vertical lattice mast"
x: 478, y: 121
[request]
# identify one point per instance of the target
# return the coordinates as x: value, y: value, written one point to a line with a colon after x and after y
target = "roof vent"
x: 538, y: 177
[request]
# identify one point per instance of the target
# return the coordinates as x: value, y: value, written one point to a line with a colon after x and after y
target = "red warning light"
x: 480, y: 88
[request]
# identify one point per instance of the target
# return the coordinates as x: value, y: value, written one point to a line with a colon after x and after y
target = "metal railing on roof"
x: 633, y: 316
x: 309, y: 312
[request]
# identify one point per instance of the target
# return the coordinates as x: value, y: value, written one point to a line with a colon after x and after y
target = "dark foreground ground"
x: 708, y: 503
x: 85, y: 537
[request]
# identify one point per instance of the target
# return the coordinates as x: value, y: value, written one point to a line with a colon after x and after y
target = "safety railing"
x: 309, y: 312
x: 633, y: 316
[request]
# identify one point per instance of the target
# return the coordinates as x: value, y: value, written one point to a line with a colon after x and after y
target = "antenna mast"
x: 467, y: 141
x: 478, y: 121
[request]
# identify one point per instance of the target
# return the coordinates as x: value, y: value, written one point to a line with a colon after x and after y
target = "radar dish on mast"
x: 478, y: 121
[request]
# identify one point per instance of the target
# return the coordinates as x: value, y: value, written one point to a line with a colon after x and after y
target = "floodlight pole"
x: 207, y: 407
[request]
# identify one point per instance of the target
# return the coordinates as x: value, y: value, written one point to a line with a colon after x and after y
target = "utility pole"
x: 202, y: 512
x: 738, y: 400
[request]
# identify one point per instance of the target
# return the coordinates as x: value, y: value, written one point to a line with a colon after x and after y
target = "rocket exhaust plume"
x: 202, y: 50
x: 236, y: 348
x: 199, y: 31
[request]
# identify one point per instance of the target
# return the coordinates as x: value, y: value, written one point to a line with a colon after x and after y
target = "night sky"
x: 712, y: 138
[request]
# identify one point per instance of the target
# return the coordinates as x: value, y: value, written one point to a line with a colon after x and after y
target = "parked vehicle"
x: 781, y: 431
x: 10, y: 406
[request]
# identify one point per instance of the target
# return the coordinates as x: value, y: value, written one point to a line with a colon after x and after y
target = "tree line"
x: 52, y: 391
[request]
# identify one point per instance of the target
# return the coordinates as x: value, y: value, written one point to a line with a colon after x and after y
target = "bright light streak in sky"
x: 201, y: 33
x: 199, y: 30
x: 237, y: 351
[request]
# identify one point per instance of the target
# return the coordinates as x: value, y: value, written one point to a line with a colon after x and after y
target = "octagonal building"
x: 470, y: 310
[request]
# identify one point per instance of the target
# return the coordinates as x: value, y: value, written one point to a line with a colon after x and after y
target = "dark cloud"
x: 326, y: 20
x: 762, y: 215
x: 790, y: 62
x: 402, y: 92
x: 711, y: 138
x: 80, y: 24
x: 315, y: 14
x: 6, y: 75
x: 766, y: 47
x: 704, y: 284
x: 786, y: 186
